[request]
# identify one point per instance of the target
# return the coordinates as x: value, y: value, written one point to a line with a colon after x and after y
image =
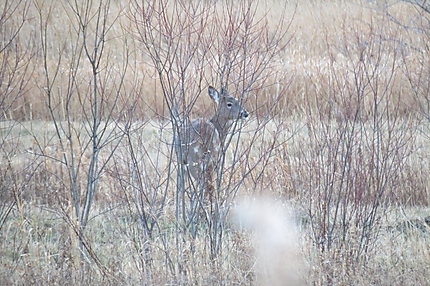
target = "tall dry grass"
x: 320, y: 33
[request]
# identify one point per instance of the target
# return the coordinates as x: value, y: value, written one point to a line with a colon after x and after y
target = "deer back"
x: 201, y: 143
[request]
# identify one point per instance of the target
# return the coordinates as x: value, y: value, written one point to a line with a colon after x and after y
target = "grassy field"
x: 327, y: 182
x: 37, y: 246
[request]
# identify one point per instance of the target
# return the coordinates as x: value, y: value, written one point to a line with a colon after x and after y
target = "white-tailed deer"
x: 203, y: 139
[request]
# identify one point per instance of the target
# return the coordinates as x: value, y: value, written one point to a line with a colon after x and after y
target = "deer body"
x: 203, y: 139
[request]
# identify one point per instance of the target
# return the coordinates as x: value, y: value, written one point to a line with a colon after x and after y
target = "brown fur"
x: 203, y: 139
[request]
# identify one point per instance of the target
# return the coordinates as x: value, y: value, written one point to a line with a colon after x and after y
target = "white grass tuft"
x: 275, y: 240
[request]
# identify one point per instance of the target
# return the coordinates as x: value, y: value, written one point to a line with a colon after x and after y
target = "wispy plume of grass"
x: 275, y: 240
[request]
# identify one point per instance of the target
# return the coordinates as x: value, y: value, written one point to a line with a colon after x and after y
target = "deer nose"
x: 244, y: 114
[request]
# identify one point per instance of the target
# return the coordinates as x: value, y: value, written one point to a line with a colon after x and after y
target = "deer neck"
x: 222, y: 125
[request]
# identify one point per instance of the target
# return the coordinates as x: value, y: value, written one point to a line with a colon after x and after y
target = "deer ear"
x: 214, y: 94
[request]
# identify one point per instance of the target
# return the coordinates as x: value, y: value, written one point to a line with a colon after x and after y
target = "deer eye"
x: 229, y: 104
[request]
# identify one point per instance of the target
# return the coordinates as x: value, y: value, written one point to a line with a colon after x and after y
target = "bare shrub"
x: 415, y: 54
x: 357, y: 144
x: 191, y: 45
x: 14, y: 73
x: 95, y: 87
x: 14, y: 60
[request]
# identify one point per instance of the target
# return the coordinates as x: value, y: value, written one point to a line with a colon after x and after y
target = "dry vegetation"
x: 93, y: 93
